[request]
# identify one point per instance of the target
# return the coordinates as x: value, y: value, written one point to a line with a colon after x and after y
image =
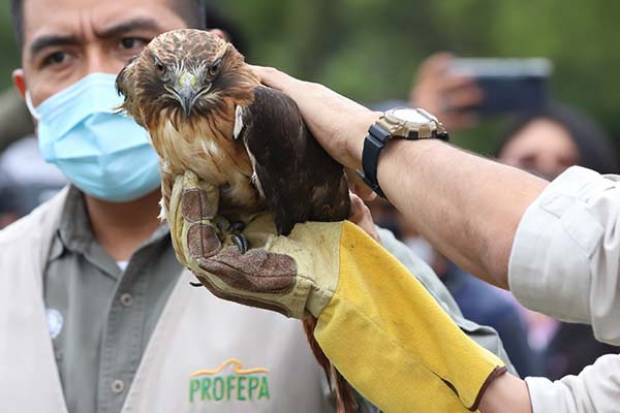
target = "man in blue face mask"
x: 96, y: 314
x: 99, y: 316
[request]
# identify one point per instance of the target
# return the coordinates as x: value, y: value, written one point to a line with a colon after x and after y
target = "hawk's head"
x: 185, y: 73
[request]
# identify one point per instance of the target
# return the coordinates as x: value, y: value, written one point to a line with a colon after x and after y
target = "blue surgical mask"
x: 102, y: 152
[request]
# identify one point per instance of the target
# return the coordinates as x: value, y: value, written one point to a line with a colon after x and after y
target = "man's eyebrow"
x: 140, y: 23
x: 44, y: 42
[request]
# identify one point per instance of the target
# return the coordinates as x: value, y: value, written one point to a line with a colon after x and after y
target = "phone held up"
x: 508, y: 85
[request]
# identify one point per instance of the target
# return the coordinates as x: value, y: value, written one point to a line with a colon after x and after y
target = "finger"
x: 202, y: 241
x: 435, y: 65
x: 461, y: 120
x: 452, y: 82
x: 364, y: 192
x: 257, y: 271
x: 463, y: 98
x: 236, y: 277
x: 357, y: 208
x: 361, y: 216
x: 358, y: 186
x: 273, y: 77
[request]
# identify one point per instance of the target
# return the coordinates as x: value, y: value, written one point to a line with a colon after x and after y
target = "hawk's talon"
x: 237, y: 226
x: 241, y: 242
x: 194, y: 284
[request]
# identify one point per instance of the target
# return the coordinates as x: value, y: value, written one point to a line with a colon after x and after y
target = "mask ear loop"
x: 30, y: 106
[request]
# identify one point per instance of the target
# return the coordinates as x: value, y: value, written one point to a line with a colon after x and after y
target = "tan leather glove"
x: 376, y: 322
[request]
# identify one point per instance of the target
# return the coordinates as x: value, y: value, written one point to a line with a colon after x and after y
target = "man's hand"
x: 208, y: 245
x: 359, y: 293
x: 277, y: 273
x: 338, y: 123
x: 361, y: 216
x: 466, y: 206
x: 448, y: 96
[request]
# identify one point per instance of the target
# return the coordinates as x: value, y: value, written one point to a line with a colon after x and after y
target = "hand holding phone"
x: 507, y: 85
x: 449, y: 96
x: 460, y: 91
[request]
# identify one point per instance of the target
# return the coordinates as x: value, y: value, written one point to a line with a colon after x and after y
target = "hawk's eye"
x: 214, y: 69
x: 159, y: 66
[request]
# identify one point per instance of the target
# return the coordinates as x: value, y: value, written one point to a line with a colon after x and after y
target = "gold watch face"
x: 402, y: 122
x: 412, y: 116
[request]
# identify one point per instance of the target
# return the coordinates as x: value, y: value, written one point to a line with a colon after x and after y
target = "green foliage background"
x: 369, y: 49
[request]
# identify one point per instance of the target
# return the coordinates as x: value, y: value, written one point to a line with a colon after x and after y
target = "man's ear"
x: 19, y: 81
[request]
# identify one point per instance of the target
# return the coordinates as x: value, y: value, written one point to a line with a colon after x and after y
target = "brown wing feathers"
x: 299, y: 179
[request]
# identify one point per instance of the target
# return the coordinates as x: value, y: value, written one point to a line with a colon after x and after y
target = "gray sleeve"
x: 565, y: 259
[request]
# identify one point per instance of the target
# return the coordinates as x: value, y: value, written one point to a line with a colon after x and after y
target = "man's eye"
x: 132, y: 43
x: 55, y: 58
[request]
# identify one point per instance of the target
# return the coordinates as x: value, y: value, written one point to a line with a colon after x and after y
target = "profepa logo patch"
x: 229, y: 381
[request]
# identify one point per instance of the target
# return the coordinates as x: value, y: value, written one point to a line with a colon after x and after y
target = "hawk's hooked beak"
x: 188, y: 90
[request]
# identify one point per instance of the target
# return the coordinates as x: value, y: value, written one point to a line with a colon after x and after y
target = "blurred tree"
x: 369, y: 49
x: 10, y: 55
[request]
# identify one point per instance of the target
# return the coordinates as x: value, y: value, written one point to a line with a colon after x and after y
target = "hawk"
x: 207, y: 112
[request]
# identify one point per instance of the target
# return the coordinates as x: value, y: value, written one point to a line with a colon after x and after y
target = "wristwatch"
x: 405, y: 123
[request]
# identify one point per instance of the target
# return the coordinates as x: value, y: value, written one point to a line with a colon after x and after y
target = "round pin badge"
x: 54, y: 322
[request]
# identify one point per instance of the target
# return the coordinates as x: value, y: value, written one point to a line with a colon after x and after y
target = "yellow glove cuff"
x: 406, y: 348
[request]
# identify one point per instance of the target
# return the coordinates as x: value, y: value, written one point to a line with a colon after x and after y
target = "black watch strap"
x: 373, y: 145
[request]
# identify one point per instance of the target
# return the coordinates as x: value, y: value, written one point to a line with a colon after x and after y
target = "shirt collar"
x: 74, y: 228
x: 74, y: 232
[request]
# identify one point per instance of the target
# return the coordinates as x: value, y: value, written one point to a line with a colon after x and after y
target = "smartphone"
x: 508, y: 85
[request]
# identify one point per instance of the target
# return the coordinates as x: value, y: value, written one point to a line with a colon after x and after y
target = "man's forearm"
x: 467, y: 206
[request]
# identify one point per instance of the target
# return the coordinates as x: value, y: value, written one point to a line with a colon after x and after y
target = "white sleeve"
x: 596, y: 389
x: 565, y: 259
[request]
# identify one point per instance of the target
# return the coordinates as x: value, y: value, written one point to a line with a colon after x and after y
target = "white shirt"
x: 565, y: 262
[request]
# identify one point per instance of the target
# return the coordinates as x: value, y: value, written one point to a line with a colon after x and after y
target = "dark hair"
x: 192, y: 11
x: 596, y: 151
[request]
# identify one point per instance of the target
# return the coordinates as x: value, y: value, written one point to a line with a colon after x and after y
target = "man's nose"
x: 101, y: 61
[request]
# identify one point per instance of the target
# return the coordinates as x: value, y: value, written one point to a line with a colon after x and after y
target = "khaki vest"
x: 205, y: 354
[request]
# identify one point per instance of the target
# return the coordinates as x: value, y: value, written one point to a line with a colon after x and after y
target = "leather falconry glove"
x: 376, y: 323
